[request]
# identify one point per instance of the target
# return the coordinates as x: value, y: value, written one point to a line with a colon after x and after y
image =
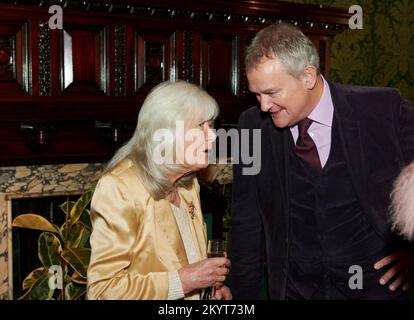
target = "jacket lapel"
x: 192, y: 206
x: 350, y: 136
x: 168, y: 226
x: 278, y: 152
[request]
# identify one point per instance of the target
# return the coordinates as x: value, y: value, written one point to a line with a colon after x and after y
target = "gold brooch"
x: 191, y: 210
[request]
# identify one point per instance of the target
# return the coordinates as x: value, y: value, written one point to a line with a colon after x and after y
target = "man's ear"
x: 309, y: 77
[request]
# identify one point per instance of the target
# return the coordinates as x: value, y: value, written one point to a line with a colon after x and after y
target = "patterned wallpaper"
x: 382, y: 53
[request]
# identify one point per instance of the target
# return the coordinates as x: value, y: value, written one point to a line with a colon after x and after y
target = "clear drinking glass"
x: 215, y: 248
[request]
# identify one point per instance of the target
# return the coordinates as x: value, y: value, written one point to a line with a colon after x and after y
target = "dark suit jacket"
x: 376, y: 127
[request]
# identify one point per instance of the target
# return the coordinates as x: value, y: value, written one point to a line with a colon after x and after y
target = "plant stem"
x: 64, y: 264
x: 62, y: 293
x: 67, y: 219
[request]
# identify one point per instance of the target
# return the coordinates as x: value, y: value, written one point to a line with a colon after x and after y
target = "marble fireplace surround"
x: 30, y: 182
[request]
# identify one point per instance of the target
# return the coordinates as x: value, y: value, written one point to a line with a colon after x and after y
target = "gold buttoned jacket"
x: 135, y: 240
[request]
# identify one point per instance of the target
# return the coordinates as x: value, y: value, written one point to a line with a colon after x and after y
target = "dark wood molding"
x: 228, y: 11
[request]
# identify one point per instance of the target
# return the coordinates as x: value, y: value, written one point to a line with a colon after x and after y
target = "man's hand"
x: 403, y: 267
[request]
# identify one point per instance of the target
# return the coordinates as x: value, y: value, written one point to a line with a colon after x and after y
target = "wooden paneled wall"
x: 73, y: 94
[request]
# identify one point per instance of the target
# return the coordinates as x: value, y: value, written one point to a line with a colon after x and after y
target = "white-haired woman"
x: 148, y: 239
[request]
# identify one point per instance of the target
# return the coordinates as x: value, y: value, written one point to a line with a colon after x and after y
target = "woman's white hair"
x: 286, y: 43
x: 402, y: 204
x: 166, y: 105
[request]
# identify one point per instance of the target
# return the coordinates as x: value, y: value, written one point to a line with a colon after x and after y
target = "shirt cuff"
x: 175, y: 288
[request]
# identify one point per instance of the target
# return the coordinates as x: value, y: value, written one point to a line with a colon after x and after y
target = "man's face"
x: 284, y: 96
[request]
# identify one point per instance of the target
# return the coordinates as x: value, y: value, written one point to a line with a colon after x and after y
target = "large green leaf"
x: 40, y: 290
x: 80, y: 205
x: 34, y: 221
x: 63, y: 228
x: 78, y: 258
x: 32, y: 277
x: 74, y: 291
x: 77, y: 278
x: 86, y: 218
x: 49, y: 249
x: 67, y: 207
x: 78, y: 236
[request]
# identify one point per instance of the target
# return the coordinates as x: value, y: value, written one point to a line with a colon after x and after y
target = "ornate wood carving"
x: 260, y: 12
x: 188, y: 64
x: 120, y: 60
x: 44, y: 60
x: 154, y: 57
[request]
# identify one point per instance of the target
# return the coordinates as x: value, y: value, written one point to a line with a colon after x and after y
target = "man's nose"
x: 265, y: 104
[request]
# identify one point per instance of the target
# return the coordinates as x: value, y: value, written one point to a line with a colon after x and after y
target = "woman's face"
x: 198, y: 144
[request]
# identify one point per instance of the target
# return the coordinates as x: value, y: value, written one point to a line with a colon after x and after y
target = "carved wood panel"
x: 154, y: 59
x: 83, y: 57
x: 219, y: 63
x: 15, y: 59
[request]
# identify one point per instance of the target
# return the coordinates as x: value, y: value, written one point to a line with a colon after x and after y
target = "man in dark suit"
x: 316, y: 215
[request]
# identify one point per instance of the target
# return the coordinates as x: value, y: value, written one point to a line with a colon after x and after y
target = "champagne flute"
x: 215, y: 248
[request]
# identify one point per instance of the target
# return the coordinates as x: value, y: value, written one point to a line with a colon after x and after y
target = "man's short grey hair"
x: 166, y: 105
x: 286, y: 43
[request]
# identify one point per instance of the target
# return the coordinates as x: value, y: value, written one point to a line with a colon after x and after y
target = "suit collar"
x: 349, y: 130
x: 277, y: 139
x: 343, y: 110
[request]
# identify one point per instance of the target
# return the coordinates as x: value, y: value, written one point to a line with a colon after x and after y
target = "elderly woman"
x: 149, y: 239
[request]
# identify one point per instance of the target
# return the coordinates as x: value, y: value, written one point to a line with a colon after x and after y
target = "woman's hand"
x: 223, y: 293
x: 203, y: 274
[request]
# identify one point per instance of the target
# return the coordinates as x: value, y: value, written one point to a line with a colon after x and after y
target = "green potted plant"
x: 64, y: 252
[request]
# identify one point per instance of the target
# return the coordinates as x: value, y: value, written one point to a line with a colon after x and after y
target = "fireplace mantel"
x: 31, y: 182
